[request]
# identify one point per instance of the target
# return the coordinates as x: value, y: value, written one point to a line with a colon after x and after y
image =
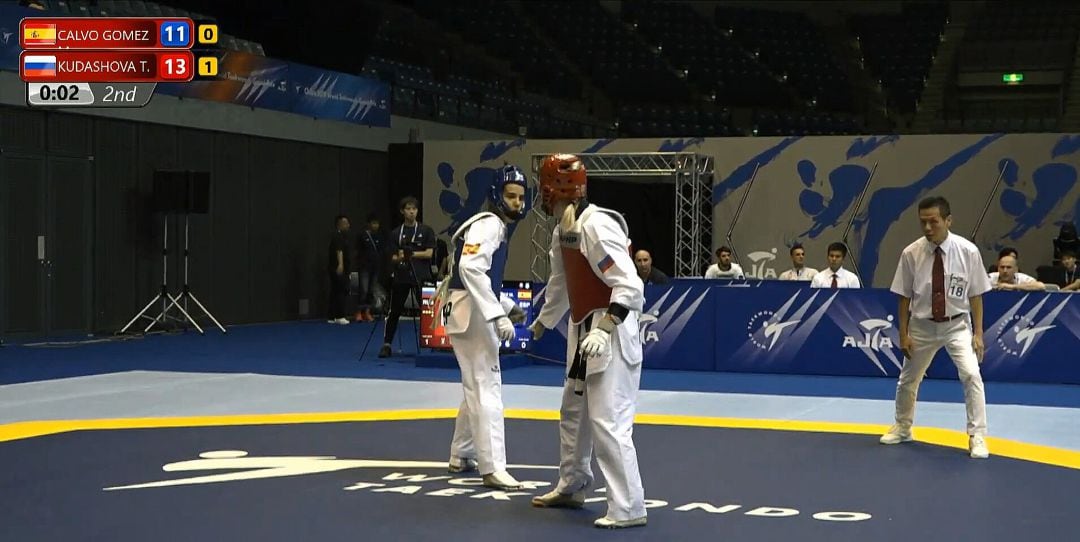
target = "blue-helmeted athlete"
x: 477, y: 321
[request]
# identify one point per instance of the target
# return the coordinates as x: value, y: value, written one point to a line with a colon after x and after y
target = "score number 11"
x: 175, y: 34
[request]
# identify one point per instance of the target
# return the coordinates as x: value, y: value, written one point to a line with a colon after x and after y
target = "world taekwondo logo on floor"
x: 425, y: 479
x: 759, y: 264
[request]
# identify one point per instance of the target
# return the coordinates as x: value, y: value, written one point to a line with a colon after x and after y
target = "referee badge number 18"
x: 957, y: 287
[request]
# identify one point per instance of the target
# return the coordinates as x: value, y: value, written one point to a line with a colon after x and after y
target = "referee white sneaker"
x: 554, y: 499
x: 608, y: 523
x: 977, y: 447
x: 896, y: 435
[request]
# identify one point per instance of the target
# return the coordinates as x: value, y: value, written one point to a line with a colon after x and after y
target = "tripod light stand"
x: 414, y: 294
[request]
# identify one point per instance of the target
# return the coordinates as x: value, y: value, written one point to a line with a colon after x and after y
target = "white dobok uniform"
x: 467, y: 315
x: 590, y: 269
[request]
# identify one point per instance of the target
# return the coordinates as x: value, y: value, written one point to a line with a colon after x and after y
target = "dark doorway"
x: 649, y: 209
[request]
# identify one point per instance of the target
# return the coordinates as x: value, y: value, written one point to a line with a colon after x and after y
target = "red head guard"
x: 562, y: 178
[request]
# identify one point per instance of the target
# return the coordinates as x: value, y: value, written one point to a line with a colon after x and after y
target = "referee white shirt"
x: 965, y: 276
x: 844, y: 279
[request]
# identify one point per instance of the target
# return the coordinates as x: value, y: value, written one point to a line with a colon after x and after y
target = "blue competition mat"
x: 386, y: 480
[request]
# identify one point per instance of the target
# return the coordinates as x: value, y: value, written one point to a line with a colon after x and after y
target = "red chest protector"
x: 583, y: 286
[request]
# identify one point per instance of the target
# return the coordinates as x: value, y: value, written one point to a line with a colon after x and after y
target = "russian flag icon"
x: 39, y: 66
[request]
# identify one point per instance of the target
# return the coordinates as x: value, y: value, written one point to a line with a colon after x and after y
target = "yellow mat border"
x: 942, y: 437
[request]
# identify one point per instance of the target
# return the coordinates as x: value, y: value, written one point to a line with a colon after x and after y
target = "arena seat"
x: 899, y: 49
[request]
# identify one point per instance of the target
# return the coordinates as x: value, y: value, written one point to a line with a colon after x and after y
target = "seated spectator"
x: 1066, y: 241
x: 646, y: 271
x: 1007, y: 251
x: 723, y: 268
x: 836, y: 276
x: 1008, y: 277
x: 798, y: 270
x: 1072, y: 280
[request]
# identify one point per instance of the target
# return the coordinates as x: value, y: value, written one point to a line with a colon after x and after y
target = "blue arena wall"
x: 788, y: 328
x: 806, y: 190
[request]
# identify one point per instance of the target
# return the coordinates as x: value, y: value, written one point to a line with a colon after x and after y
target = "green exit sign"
x: 1012, y: 78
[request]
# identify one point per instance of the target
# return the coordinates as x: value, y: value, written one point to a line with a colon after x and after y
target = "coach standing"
x: 940, y: 280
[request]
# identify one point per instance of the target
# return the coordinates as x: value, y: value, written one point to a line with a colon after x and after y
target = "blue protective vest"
x: 495, y: 272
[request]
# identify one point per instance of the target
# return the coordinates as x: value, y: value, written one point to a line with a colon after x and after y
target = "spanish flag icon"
x: 39, y: 34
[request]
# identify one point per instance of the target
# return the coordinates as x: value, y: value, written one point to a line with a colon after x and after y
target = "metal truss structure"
x: 692, y: 175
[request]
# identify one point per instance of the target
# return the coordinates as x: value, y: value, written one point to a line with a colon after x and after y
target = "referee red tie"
x: 834, y: 280
x: 938, y: 284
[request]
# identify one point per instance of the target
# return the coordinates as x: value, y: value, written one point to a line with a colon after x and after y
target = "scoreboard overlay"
x: 111, y: 61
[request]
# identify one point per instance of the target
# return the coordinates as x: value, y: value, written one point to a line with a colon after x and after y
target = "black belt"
x: 947, y: 318
x: 578, y: 367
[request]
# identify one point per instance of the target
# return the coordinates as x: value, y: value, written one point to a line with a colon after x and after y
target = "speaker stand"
x: 163, y: 294
x: 185, y: 292
x: 169, y: 301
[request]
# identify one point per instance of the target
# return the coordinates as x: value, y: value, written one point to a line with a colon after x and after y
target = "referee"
x: 940, y: 280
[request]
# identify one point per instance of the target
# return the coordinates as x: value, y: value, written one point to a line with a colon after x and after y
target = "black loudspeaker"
x: 182, y: 192
x: 406, y: 163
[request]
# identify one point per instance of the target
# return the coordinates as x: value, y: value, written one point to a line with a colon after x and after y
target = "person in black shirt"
x: 1066, y: 241
x: 1071, y: 279
x: 370, y: 268
x: 645, y: 270
x: 338, y: 268
x: 411, y: 247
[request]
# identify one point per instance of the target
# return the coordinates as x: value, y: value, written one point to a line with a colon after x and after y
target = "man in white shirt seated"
x: 1008, y: 277
x: 723, y: 268
x: 798, y: 270
x: 836, y: 276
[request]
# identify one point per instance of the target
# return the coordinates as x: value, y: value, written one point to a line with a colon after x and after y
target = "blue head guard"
x: 508, y: 175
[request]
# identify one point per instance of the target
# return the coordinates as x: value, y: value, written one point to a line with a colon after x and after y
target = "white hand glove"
x: 517, y: 315
x: 504, y: 329
x: 537, y: 330
x: 595, y: 343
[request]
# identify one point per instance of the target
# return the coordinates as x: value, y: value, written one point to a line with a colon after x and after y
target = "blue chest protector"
x: 495, y: 272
